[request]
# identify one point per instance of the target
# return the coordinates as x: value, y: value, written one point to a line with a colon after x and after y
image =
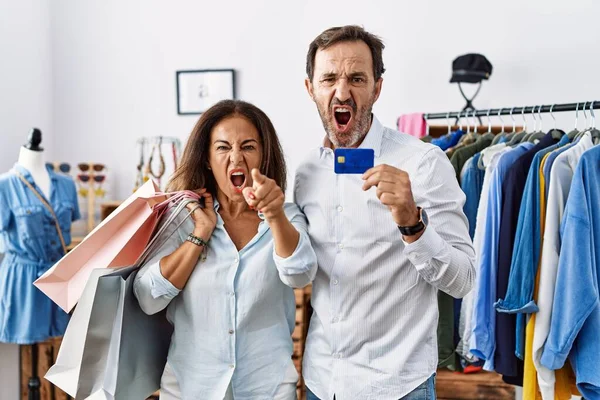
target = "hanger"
x: 524, y: 119
x: 468, y: 121
x: 571, y: 135
x: 502, y: 133
x: 537, y: 134
x: 475, y: 134
x: 511, y: 134
x: 448, y: 121
x: 489, y: 133
x: 516, y: 136
x: 586, y: 128
x: 556, y: 133
x: 595, y: 132
x: 426, y: 125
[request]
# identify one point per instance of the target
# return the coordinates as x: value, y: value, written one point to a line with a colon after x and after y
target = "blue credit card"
x: 353, y: 161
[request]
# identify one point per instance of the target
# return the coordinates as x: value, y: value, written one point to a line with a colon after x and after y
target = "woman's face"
x: 235, y: 148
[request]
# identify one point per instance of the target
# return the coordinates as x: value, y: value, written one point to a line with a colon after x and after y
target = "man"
x: 386, y: 241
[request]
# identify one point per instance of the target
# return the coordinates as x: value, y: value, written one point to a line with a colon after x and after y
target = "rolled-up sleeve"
x: 153, y: 291
x: 444, y: 254
x: 300, y: 268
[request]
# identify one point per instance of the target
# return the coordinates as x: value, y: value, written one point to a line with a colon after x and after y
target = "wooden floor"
x: 481, y: 385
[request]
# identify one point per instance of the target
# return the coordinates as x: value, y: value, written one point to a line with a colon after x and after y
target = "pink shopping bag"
x: 116, y: 242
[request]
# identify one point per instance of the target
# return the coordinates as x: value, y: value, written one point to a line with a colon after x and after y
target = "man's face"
x: 344, y: 89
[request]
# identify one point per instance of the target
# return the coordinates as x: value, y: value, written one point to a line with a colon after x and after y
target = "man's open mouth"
x: 343, y: 116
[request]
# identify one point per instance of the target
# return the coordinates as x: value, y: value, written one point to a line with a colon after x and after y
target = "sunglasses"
x: 83, y: 167
x: 86, y: 178
x: 62, y: 167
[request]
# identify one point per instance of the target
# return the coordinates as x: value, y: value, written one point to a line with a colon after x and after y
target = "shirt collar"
x: 372, y: 139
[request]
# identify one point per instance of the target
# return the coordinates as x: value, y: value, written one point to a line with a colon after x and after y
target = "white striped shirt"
x: 373, y: 331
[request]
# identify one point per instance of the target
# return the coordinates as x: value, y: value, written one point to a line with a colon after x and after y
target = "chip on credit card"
x: 353, y: 161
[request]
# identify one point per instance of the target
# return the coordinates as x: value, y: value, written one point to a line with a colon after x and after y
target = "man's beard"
x: 361, y: 121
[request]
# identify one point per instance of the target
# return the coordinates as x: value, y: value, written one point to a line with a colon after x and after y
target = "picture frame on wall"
x: 198, y: 90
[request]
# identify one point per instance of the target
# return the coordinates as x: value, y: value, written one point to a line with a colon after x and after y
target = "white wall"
x: 25, y: 102
x: 25, y: 76
x: 115, y: 62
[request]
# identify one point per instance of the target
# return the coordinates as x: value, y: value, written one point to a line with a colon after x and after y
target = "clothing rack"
x: 494, y: 112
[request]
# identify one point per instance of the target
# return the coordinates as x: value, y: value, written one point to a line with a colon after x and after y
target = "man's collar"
x: 372, y: 140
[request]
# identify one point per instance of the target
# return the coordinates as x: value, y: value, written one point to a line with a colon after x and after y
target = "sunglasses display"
x: 89, y: 180
x: 65, y: 168
x: 83, y: 167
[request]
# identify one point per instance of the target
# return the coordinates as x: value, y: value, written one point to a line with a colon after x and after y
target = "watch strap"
x: 413, y: 230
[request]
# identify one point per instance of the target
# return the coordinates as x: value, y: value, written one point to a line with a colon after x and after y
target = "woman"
x: 226, y: 275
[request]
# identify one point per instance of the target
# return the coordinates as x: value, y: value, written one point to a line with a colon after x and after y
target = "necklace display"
x: 157, y: 165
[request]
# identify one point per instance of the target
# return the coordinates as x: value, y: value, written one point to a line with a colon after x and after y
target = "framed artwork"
x: 198, y: 90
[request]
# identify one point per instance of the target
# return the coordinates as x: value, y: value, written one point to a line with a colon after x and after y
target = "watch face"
x: 424, y: 217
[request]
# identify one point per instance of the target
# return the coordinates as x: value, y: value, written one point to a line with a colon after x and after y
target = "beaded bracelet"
x: 198, y: 241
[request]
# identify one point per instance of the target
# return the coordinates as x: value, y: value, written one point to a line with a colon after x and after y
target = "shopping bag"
x: 65, y: 372
x: 126, y: 350
x: 116, y: 241
x: 111, y: 348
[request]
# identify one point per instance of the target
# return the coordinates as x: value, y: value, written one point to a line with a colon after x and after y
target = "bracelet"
x: 198, y: 241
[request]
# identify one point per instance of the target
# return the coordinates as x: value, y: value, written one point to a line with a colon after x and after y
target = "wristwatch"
x: 413, y: 230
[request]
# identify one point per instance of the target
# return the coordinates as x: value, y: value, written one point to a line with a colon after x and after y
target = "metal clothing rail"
x: 494, y: 112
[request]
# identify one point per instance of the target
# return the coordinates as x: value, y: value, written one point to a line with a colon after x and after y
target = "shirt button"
x: 335, y: 282
x: 341, y: 246
x: 231, y: 366
x: 340, y: 208
x: 337, y: 356
x: 231, y: 293
x: 235, y: 260
x: 335, y: 319
x: 53, y: 243
x: 231, y: 331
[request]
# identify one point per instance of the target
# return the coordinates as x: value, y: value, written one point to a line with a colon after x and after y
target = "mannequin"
x: 31, y: 157
x: 30, y: 240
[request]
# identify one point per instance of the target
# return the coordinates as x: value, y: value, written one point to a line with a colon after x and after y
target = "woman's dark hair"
x: 193, y: 173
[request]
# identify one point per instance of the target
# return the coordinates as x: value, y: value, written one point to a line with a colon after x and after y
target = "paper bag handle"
x: 154, y: 245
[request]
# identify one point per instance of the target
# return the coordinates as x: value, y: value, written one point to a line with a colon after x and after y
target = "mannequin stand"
x: 34, y: 380
x: 469, y: 101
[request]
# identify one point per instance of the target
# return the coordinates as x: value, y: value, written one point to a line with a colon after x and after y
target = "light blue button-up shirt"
x: 576, y: 309
x: 234, y: 319
x: 483, y: 341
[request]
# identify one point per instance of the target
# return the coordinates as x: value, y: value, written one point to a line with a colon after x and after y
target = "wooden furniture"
x: 303, y: 313
x: 107, y: 207
x: 440, y: 130
x: 481, y: 385
x: 47, y: 352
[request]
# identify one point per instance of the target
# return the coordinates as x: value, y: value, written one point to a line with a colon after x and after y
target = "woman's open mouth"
x: 238, y: 179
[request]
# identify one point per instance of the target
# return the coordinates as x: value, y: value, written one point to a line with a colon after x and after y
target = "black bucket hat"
x: 470, y: 68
